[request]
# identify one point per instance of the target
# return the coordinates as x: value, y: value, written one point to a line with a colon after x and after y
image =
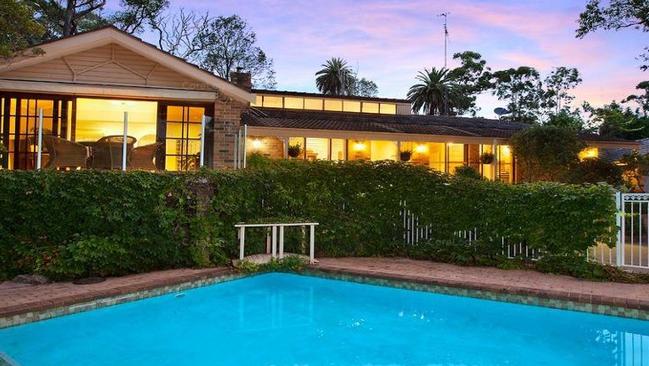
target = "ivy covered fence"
x: 80, y: 223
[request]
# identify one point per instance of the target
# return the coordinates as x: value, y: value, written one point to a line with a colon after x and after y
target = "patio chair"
x: 108, y: 151
x: 143, y: 157
x: 64, y: 153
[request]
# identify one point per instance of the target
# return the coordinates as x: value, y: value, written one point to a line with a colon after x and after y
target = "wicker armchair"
x: 143, y: 157
x: 108, y: 152
x: 64, y: 153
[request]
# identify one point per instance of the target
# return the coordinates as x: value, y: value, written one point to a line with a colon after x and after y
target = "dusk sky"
x: 389, y: 41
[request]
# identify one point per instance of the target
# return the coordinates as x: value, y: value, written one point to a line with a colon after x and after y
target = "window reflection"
x: 97, y: 118
x: 455, y: 157
x: 323, y: 104
x: 317, y: 149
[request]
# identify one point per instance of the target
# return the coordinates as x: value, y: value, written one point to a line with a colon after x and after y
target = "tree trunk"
x: 68, y: 18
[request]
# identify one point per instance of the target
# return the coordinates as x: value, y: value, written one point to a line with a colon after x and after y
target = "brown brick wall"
x: 227, y: 120
x: 270, y: 147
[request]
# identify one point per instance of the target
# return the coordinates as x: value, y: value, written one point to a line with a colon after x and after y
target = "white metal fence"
x: 413, y: 233
x: 631, y: 250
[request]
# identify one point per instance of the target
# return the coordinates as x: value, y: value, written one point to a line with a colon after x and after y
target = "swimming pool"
x: 284, y: 319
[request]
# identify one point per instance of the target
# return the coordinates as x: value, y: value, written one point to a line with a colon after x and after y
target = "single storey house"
x: 104, y: 93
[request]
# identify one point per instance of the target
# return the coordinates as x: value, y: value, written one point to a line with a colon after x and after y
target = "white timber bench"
x: 277, y: 237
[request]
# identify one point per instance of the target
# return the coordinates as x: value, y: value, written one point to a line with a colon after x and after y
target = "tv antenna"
x: 445, y: 15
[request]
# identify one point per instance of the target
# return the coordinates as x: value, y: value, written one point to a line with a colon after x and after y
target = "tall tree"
x: 435, y: 93
x: 472, y: 78
x: 335, y: 77
x: 614, y: 120
x: 641, y: 98
x: 178, y: 33
x: 522, y: 89
x: 64, y: 18
x: 135, y: 15
x: 17, y: 28
x: 228, y: 43
x: 616, y: 15
x: 363, y: 87
x: 558, y: 85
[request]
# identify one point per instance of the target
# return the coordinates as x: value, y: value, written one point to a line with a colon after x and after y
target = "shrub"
x: 71, y: 224
x: 466, y: 171
x: 595, y: 170
x: 546, y: 152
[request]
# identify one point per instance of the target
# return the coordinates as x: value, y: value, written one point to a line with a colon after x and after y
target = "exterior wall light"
x: 421, y: 148
x: 256, y: 144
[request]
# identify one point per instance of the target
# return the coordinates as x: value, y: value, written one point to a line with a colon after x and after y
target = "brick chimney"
x: 241, y: 79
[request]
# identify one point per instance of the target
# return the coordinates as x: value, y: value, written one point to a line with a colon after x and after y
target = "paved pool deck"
x: 20, y: 303
x: 18, y: 299
x: 513, y: 282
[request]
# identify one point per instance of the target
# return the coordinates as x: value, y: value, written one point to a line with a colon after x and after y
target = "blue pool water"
x: 283, y: 319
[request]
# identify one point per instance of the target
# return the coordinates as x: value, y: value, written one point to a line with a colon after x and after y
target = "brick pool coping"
x: 517, y: 286
x: 21, y: 304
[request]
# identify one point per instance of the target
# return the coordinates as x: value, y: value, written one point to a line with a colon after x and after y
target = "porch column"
x: 227, y: 122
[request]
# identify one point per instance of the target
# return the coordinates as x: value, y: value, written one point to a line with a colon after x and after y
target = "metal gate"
x: 633, y: 236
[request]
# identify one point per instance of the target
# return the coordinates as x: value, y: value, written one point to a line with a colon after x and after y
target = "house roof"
x: 318, y: 95
x: 409, y: 124
x: 110, y: 34
x: 412, y: 124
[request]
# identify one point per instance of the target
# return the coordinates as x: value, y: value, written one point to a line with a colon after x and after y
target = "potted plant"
x: 294, y: 150
x: 487, y: 158
x: 405, y: 155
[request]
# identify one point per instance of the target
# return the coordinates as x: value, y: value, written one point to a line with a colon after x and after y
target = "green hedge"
x: 73, y: 224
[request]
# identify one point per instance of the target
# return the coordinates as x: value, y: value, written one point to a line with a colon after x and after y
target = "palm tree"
x: 435, y: 92
x: 335, y: 78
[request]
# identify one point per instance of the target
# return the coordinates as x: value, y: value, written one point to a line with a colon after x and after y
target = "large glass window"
x: 293, y: 103
x: 313, y: 104
x: 183, y: 140
x: 487, y: 167
x: 505, y: 164
x: 20, y: 131
x: 437, y: 154
x: 297, y: 141
x: 383, y: 150
x: 335, y: 105
x: 98, y: 118
x: 358, y: 150
x: 369, y: 107
x: 351, y: 106
x: 455, y: 157
x: 388, y: 108
x: 419, y: 152
x: 273, y: 101
x: 317, y: 148
x: 473, y: 156
x: 338, y: 149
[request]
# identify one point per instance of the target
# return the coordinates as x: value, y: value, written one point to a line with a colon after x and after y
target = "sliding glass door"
x: 19, y: 127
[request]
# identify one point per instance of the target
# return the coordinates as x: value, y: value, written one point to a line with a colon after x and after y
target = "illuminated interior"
x: 323, y: 104
x: 505, y: 164
x: 298, y: 141
x: 97, y: 118
x: 183, y: 139
x: 455, y: 157
x: 358, y: 150
x: 488, y: 169
x: 317, y: 149
x: 383, y: 150
x: 338, y: 149
x: 589, y: 153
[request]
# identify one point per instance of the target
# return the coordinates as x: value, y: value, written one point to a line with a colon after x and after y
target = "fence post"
x: 619, y: 245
